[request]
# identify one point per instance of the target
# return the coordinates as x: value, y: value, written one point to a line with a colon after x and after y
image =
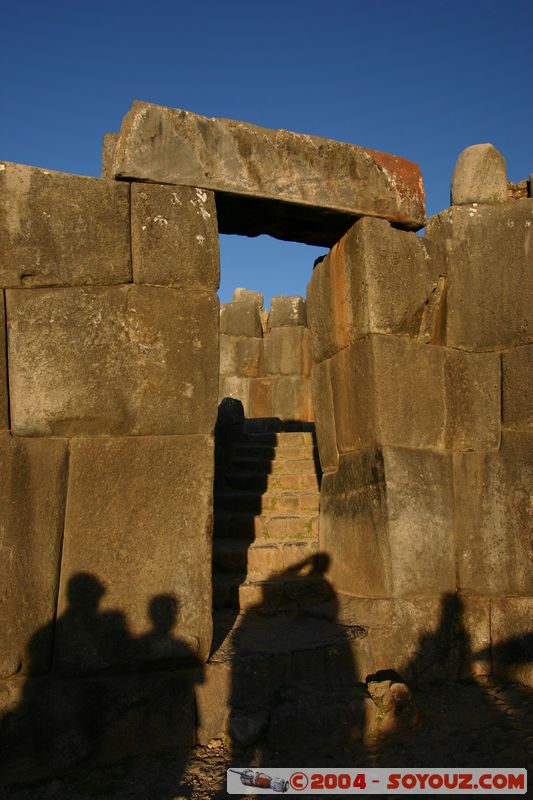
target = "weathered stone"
x: 237, y: 388
x: 62, y: 230
x: 288, y: 351
x: 388, y: 390
x: 473, y: 400
x: 295, y: 187
x: 479, y: 176
x: 493, y: 513
x: 4, y: 393
x: 109, y: 145
x: 117, y: 360
x: 174, y: 236
x: 249, y: 357
x: 213, y: 702
x: 241, y: 319
x: 433, y: 320
x: 291, y: 398
x: 228, y: 354
x: 512, y: 639
x: 138, y: 562
x: 51, y: 725
x: 517, y: 397
x: 376, y: 279
x: 33, y: 476
x: 261, y: 397
x: 490, y: 269
x: 394, y: 708
x: 387, y: 518
x: 322, y: 398
x: 287, y: 311
x: 248, y: 295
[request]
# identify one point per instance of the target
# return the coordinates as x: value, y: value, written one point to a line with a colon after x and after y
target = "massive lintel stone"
x: 321, y: 185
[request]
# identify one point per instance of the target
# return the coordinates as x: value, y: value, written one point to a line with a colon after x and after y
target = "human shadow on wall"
x: 295, y: 694
x: 461, y: 721
x: 108, y: 694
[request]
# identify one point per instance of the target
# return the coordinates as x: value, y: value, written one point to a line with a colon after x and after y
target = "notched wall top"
x: 322, y: 185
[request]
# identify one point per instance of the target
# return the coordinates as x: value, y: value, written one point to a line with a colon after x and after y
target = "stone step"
x: 281, y: 482
x: 293, y: 592
x: 266, y: 526
x: 258, y: 560
x: 280, y: 440
x: 268, y: 502
x: 265, y: 452
x: 286, y: 466
x: 274, y: 424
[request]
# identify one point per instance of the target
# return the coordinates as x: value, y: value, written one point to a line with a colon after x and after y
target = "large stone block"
x: 291, y: 398
x: 136, y: 569
x: 48, y: 725
x: 4, y: 393
x: 109, y: 143
x: 490, y: 273
x: 261, y: 397
x: 249, y: 357
x: 288, y: 351
x: 494, y: 520
x: 388, y: 390
x: 238, y: 389
x: 305, y: 188
x: 323, y: 408
x: 376, y: 279
x: 241, y: 318
x: 62, y: 230
x: 512, y: 639
x: 228, y: 354
x: 287, y: 311
x: 33, y: 476
x: 387, y: 519
x: 117, y: 360
x: 479, y: 176
x: 247, y: 295
x: 517, y: 390
x: 473, y: 400
x: 174, y: 236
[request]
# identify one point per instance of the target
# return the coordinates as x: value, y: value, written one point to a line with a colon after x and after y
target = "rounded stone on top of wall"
x: 242, y: 295
x: 479, y: 176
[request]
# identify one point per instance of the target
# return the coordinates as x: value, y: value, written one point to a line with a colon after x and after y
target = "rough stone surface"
x: 136, y: 570
x: 473, y: 400
x: 248, y: 295
x: 291, y: 398
x: 261, y: 397
x: 33, y: 478
x: 490, y: 273
x: 288, y: 351
x: 376, y: 279
x: 249, y: 357
x: 117, y: 360
x: 109, y: 144
x: 241, y: 319
x: 53, y: 725
x: 62, y: 230
x: 387, y: 519
x: 228, y: 354
x: 479, y: 176
x: 494, y: 521
x: 238, y: 388
x: 512, y: 639
x: 517, y: 397
x: 174, y: 236
x: 326, y: 434
x: 287, y: 311
x: 388, y: 390
x: 321, y: 185
x: 4, y: 393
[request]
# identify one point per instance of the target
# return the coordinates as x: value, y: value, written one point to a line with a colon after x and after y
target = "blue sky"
x: 419, y: 79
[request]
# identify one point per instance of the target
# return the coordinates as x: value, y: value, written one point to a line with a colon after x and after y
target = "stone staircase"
x: 267, y: 495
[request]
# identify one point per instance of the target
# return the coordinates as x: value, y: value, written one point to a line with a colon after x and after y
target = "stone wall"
x: 422, y: 396
x: 108, y: 392
x: 265, y: 358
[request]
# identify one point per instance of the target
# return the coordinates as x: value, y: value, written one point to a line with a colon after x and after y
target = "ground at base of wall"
x: 476, y: 724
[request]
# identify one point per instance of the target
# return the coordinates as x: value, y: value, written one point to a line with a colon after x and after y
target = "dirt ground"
x: 479, y: 724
